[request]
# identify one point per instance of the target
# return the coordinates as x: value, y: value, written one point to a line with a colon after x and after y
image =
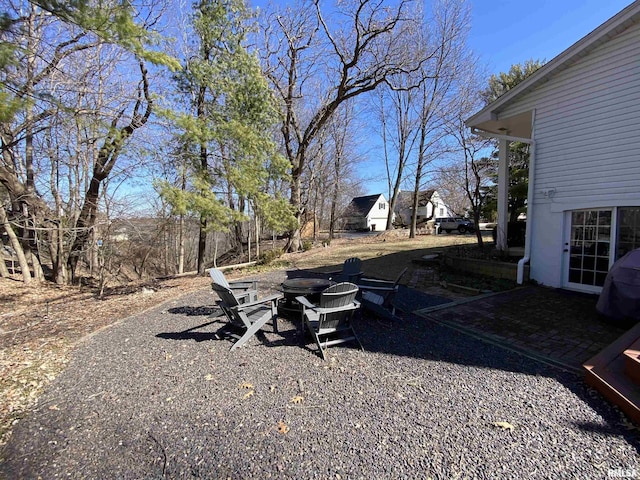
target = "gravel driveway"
x: 155, y: 397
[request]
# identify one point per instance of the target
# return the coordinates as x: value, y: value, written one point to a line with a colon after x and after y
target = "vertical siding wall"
x: 587, y: 136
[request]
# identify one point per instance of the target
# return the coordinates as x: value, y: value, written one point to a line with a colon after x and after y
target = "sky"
x: 505, y: 32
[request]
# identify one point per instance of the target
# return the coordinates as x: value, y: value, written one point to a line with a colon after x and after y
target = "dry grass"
x: 40, y: 325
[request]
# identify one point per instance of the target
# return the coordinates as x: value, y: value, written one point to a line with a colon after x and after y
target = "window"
x: 628, y: 235
x: 441, y: 211
x: 599, y: 238
x: 382, y: 206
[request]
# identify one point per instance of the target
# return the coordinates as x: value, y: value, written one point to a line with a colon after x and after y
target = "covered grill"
x: 620, y: 297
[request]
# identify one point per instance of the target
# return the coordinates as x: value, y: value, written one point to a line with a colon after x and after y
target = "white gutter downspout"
x: 530, y: 193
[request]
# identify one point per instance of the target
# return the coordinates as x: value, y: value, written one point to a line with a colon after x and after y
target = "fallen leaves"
x: 297, y: 399
x: 283, y: 428
x: 41, y: 323
x: 504, y: 425
x: 247, y: 386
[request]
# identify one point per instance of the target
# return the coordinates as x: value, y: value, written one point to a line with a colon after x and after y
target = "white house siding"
x: 377, y: 217
x: 587, y: 120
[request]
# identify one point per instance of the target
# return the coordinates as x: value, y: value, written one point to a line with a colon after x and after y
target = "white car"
x: 449, y: 224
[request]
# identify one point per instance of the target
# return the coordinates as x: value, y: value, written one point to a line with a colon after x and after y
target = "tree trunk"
x: 294, y: 243
x: 181, y: 244
x: 15, y: 244
x: 202, y: 245
x: 4, y: 271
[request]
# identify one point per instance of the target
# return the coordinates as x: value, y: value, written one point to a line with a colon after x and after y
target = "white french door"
x: 589, y: 247
x: 594, y: 240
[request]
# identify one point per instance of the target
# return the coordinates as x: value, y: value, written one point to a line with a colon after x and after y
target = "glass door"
x: 589, y: 248
x: 628, y: 237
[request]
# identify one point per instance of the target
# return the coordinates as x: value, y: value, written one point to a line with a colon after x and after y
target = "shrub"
x: 516, y: 232
x: 269, y: 256
x: 306, y: 245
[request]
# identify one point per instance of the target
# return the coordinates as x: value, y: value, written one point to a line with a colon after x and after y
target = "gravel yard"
x: 155, y: 397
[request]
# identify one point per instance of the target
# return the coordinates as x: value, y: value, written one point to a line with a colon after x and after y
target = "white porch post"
x: 503, y: 194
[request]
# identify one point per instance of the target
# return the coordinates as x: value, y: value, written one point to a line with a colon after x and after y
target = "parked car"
x: 449, y: 224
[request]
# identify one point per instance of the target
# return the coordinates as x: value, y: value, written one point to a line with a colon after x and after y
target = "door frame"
x: 567, y: 248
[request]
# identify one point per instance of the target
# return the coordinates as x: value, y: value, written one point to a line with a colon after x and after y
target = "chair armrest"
x: 374, y: 282
x: 352, y: 306
x: 304, y: 301
x: 378, y: 289
x: 253, y: 284
x: 270, y: 298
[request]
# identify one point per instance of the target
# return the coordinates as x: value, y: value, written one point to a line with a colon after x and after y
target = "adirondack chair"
x: 245, y: 291
x: 330, y: 320
x: 378, y: 295
x: 351, y: 271
x: 248, y: 317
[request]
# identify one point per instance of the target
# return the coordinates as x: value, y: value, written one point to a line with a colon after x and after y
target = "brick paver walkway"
x: 557, y: 325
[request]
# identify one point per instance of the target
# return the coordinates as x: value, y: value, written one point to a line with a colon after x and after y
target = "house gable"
x: 368, y: 212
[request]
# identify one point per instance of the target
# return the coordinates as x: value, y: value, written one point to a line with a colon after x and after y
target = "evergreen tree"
x: 225, y: 127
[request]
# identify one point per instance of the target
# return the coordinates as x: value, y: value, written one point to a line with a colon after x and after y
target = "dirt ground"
x: 41, y: 324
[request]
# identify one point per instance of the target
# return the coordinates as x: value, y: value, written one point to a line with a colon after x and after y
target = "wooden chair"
x: 330, y: 321
x: 351, y: 271
x: 378, y: 295
x: 244, y: 290
x: 248, y: 317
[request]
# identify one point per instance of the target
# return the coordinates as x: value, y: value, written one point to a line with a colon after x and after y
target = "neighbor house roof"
x: 488, y: 118
x: 405, y: 199
x: 361, y: 206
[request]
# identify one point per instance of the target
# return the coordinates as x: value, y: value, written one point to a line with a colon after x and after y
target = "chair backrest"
x: 218, y: 277
x: 351, y: 270
x: 352, y: 266
x: 336, y: 296
x: 227, y: 302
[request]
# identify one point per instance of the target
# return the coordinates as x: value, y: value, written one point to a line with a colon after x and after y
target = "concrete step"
x: 608, y: 373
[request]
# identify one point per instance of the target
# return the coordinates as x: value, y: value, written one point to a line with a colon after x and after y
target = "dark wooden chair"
x: 248, y: 317
x: 329, y: 322
x: 378, y: 295
x: 351, y: 271
x: 244, y: 290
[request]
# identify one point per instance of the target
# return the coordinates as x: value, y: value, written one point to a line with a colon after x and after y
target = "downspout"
x: 530, y: 193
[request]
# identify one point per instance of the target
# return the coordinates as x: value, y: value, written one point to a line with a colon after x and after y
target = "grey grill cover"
x: 620, y: 297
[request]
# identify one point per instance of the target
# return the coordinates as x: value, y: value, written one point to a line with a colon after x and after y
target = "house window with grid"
x: 628, y: 237
x: 382, y: 206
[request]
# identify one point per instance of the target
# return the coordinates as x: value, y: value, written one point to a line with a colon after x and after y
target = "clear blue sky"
x: 504, y: 32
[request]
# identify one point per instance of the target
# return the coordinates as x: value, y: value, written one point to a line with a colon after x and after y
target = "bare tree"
x: 62, y: 146
x: 472, y: 169
x: 345, y: 158
x: 396, y: 111
x: 437, y: 94
x: 412, y: 118
x: 315, y: 68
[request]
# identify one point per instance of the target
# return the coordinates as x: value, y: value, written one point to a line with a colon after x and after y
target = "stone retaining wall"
x: 490, y: 268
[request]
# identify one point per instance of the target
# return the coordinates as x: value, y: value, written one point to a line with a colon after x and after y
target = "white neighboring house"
x: 367, y: 213
x: 581, y: 114
x: 430, y: 206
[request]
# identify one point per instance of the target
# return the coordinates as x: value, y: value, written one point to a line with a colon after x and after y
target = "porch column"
x: 503, y: 194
